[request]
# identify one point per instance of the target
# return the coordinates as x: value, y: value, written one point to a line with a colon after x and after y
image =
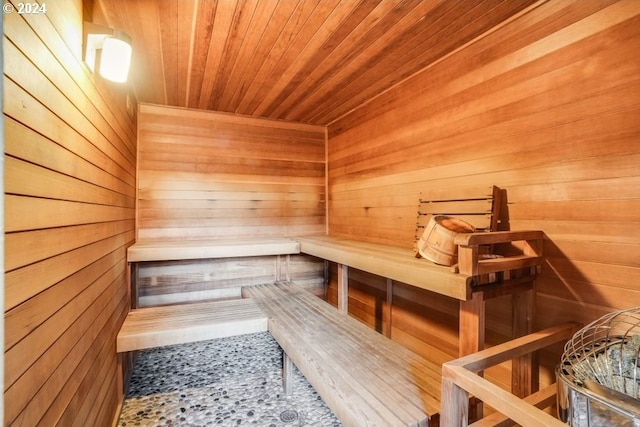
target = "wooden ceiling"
x: 309, y: 61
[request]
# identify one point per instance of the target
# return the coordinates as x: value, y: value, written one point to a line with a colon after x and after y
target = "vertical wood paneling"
x: 70, y: 157
x: 546, y: 107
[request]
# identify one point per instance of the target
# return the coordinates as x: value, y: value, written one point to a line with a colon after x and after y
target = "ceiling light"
x: 109, y: 51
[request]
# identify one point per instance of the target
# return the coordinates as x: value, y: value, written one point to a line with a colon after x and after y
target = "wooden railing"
x: 460, y: 379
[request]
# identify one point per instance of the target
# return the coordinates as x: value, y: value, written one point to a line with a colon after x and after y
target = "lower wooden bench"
x: 365, y: 378
x: 178, y: 324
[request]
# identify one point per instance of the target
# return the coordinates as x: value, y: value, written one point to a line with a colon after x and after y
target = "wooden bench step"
x: 178, y: 324
x: 365, y: 378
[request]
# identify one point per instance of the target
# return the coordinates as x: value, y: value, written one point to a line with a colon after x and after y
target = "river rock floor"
x: 234, y: 381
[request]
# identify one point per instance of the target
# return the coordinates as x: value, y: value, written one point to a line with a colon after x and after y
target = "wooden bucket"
x: 437, y: 241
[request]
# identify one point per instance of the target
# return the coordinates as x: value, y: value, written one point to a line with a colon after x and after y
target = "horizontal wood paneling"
x: 205, y: 175
x: 546, y: 107
x: 209, y: 175
x: 70, y: 156
x: 173, y: 282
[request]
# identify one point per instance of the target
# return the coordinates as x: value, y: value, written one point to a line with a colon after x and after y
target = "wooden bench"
x: 153, y: 251
x: 400, y: 264
x: 173, y: 250
x: 515, y: 273
x: 178, y: 324
x: 365, y: 378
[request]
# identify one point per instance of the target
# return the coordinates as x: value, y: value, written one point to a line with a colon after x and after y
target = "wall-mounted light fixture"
x: 108, y: 51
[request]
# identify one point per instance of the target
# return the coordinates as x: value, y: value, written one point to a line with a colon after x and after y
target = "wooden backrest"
x: 479, y: 207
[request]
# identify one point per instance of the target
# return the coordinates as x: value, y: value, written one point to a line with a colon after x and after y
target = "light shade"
x: 109, y: 51
x: 115, y: 59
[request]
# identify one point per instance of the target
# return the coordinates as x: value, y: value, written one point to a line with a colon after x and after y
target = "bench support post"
x: 472, y: 324
x: 389, y: 311
x: 287, y: 375
x: 472, y: 329
x: 133, y: 285
x: 524, y: 371
x: 282, y: 263
x: 287, y: 272
x: 343, y: 288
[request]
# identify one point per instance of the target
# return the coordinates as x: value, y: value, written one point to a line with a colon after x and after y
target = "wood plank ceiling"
x: 309, y: 61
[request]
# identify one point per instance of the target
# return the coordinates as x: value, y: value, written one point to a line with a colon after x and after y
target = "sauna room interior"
x: 298, y: 146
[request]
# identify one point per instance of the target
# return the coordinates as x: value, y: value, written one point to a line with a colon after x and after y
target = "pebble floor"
x: 234, y: 381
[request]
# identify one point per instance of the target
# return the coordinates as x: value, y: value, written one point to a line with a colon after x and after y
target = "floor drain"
x: 288, y: 416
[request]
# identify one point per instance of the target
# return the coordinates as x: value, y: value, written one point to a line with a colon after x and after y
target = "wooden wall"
x: 206, y: 175
x: 2, y: 246
x: 547, y: 107
x: 215, y: 175
x: 70, y: 156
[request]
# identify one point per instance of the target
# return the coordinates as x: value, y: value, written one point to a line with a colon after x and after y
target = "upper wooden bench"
x: 365, y: 378
x: 175, y: 250
x: 400, y: 264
